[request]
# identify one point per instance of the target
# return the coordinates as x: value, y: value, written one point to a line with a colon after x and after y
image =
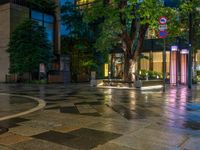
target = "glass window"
x: 39, y: 22
x: 49, y: 31
x: 48, y: 18
x: 36, y: 15
x: 46, y: 21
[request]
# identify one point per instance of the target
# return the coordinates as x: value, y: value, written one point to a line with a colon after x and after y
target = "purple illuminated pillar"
x: 184, y: 69
x: 173, y: 65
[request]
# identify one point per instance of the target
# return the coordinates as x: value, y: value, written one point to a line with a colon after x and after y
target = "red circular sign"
x: 162, y: 20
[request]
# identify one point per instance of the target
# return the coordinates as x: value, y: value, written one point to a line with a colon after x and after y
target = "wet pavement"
x: 13, y: 104
x: 78, y: 116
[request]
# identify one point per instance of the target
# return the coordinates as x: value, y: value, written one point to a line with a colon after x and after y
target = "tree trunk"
x: 129, y: 69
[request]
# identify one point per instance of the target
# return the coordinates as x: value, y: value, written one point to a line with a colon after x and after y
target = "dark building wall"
x: 17, y: 14
x: 4, y: 39
x: 11, y: 15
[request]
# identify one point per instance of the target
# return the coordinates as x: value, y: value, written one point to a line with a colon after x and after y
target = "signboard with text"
x: 162, y: 27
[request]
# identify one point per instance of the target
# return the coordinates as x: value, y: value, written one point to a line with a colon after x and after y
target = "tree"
x: 125, y: 23
x: 79, y: 40
x: 192, y: 7
x: 28, y: 47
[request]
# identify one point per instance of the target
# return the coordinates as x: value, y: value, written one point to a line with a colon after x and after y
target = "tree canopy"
x: 28, y: 47
x: 79, y: 39
x: 125, y: 23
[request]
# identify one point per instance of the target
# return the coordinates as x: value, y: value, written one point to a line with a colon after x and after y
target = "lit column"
x: 173, y: 65
x: 184, y: 65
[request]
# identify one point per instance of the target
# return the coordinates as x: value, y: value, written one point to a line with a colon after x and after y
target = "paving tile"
x: 42, y: 124
x: 154, y: 139
x: 162, y: 137
x: 140, y: 144
x: 71, y: 109
x: 13, y: 139
x: 112, y: 146
x: 12, y: 122
x: 6, y: 135
x: 125, y: 112
x: 84, y: 109
x: 37, y: 144
x: 99, y: 102
x: 26, y: 130
x: 85, y: 132
x: 91, y: 114
x: 65, y: 129
x: 5, y: 148
x: 116, y: 127
x: 191, y: 144
x: 80, y: 139
x: 55, y: 137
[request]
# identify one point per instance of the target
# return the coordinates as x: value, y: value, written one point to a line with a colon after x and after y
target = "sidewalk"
x: 78, y: 116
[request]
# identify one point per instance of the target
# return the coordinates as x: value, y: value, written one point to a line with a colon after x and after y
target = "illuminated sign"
x: 106, y: 70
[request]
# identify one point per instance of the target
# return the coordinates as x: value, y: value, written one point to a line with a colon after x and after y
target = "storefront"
x: 152, y: 60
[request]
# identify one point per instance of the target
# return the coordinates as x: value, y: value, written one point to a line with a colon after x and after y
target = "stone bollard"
x: 138, y: 83
x: 93, y: 81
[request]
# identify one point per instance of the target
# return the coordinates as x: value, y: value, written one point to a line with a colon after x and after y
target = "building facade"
x: 12, y: 12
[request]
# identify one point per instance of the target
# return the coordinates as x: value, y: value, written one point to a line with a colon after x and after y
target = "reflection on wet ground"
x: 76, y: 110
x: 14, y: 104
x: 177, y: 107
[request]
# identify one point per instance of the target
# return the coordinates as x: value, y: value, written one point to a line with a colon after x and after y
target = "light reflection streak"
x: 175, y: 109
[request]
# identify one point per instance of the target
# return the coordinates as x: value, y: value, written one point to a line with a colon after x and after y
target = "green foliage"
x: 91, y: 64
x: 118, y: 20
x: 151, y: 74
x: 79, y: 41
x: 193, y: 8
x: 198, y: 72
x: 28, y: 47
x: 71, y: 18
x: 43, y: 5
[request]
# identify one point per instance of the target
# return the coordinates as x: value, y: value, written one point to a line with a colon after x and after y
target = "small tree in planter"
x: 28, y: 47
